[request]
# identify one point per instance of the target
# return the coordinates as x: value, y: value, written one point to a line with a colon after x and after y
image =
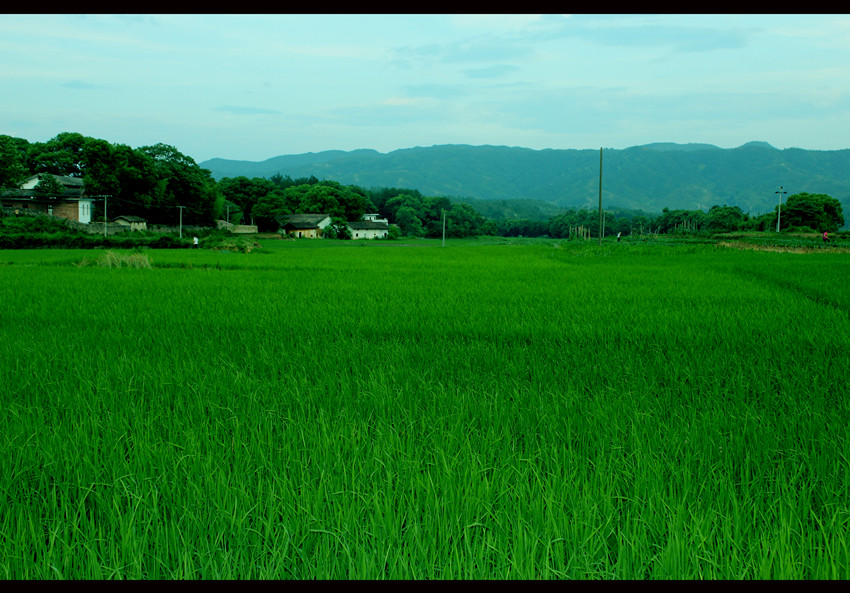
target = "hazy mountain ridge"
x: 648, y: 177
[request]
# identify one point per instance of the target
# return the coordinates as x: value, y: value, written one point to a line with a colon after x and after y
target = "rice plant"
x: 416, y: 412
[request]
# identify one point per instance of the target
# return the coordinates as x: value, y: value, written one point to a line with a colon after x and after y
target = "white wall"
x: 84, y: 212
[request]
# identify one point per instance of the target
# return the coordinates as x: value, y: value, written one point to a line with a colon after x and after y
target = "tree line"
x: 156, y: 182
x: 150, y: 181
x: 802, y: 212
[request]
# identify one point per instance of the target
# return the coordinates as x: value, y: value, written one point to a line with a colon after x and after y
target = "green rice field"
x: 391, y: 410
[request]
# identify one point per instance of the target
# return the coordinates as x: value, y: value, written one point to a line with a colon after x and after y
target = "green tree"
x: 61, y: 155
x: 100, y: 167
x: 393, y: 232
x: 269, y: 210
x: 48, y: 186
x: 560, y: 225
x: 356, y: 202
x: 411, y: 201
x: 247, y: 193
x: 385, y: 204
x: 408, y: 222
x: 432, y: 215
x: 816, y: 211
x: 724, y: 218
x: 337, y: 229
x: 328, y: 197
x: 13, y: 168
x: 641, y: 224
x: 315, y: 199
x: 181, y: 182
x: 282, y: 181
x: 137, y: 183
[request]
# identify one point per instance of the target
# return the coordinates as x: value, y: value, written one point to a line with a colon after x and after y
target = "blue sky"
x: 251, y: 87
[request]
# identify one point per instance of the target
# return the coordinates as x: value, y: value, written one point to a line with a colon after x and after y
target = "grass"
x: 111, y: 259
x: 501, y: 410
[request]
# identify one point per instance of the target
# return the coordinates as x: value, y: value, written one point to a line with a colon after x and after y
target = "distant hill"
x: 648, y: 177
x: 229, y: 168
x: 672, y: 146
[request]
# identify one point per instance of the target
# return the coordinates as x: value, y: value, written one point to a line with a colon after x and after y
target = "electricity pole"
x: 779, y: 213
x: 600, y: 195
x: 181, y: 220
x: 444, y: 227
x: 104, y: 215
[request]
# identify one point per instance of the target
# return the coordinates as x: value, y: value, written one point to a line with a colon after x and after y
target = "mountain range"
x: 648, y: 177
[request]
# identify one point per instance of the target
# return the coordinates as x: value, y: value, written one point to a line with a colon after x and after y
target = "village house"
x: 72, y: 204
x: 371, y: 227
x: 309, y: 226
x: 135, y: 223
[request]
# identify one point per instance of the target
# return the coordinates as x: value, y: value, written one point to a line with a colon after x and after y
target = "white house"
x: 308, y: 226
x: 371, y: 227
x: 72, y: 204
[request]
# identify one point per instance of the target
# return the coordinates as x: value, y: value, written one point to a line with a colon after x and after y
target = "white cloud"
x: 393, y: 81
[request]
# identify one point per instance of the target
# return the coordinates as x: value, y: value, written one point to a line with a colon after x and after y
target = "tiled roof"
x: 67, y: 181
x: 68, y: 194
x: 368, y: 225
x: 303, y: 221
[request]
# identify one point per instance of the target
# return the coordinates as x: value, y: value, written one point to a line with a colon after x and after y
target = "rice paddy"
x: 335, y: 410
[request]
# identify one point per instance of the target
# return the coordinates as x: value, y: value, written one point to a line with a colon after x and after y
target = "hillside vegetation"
x: 649, y: 178
x: 469, y: 191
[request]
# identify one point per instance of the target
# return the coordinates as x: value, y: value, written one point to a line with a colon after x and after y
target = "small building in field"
x: 237, y: 229
x: 71, y: 204
x: 305, y: 226
x: 244, y: 229
x: 371, y: 227
x: 135, y: 223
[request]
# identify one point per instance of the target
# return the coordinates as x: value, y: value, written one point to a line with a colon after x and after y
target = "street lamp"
x: 779, y: 213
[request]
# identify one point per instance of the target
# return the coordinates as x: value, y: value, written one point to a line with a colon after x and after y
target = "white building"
x: 371, y: 227
x: 71, y: 204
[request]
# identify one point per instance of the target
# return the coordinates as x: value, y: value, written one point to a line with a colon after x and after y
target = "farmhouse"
x: 371, y: 227
x: 71, y: 204
x: 308, y: 226
x: 134, y: 222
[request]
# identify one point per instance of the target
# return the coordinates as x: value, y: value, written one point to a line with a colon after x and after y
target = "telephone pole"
x: 104, y: 215
x: 444, y: 227
x: 779, y: 212
x: 181, y: 220
x: 600, y: 195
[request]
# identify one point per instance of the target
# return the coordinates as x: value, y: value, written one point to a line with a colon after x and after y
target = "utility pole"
x: 181, y: 220
x: 779, y: 212
x: 104, y: 214
x: 600, y: 195
x: 444, y: 227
